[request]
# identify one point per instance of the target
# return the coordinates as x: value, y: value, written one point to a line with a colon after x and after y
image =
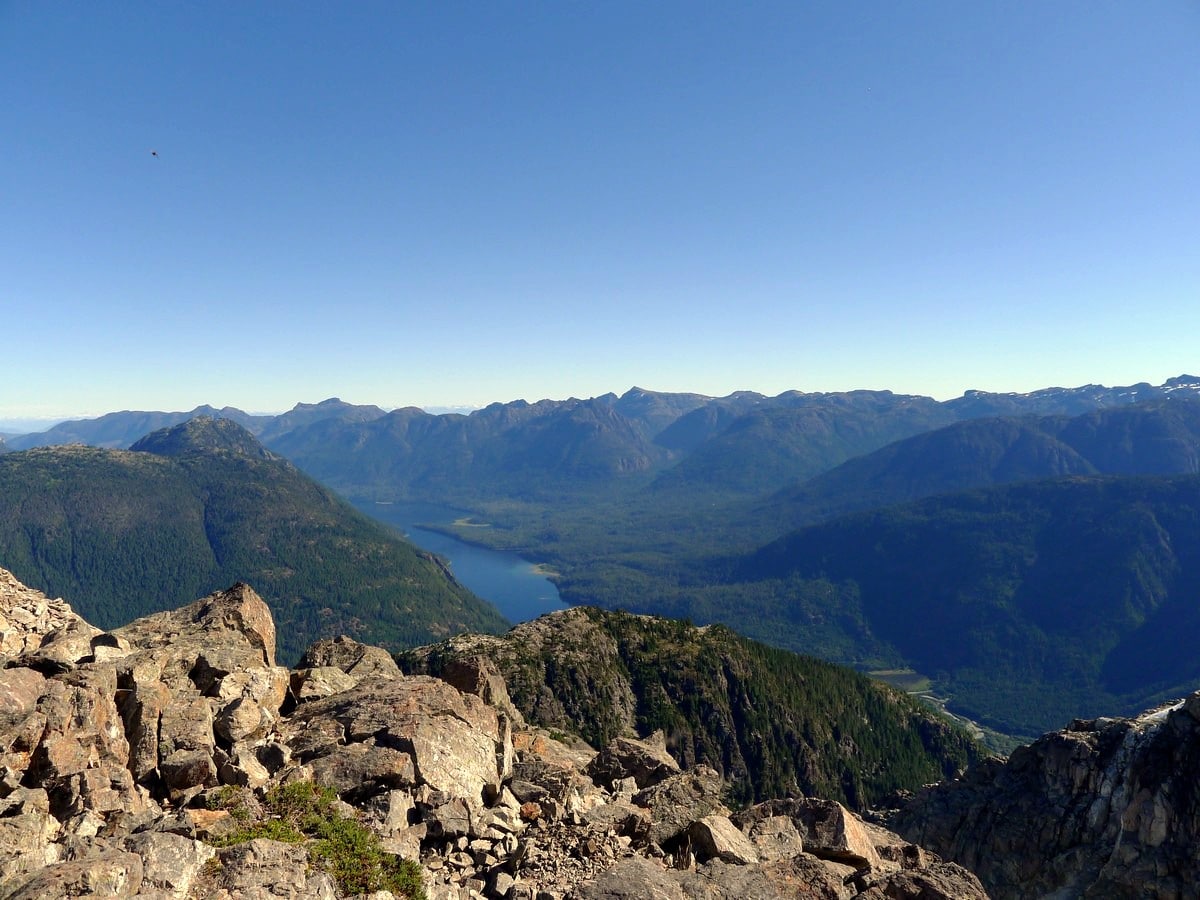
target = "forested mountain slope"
x: 773, y: 723
x: 1161, y: 437
x: 1031, y: 603
x: 123, y: 533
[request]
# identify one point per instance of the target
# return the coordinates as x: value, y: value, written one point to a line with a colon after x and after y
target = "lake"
x: 509, y: 583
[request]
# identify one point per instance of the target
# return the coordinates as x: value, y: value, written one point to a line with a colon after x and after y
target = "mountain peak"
x: 324, y: 404
x: 1192, y: 381
x: 203, y: 433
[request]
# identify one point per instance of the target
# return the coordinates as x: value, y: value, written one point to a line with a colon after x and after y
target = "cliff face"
x: 172, y: 758
x: 1107, y: 808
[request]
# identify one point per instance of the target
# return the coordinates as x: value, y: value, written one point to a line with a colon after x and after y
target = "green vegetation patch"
x: 908, y: 680
x: 342, y: 846
x: 124, y: 534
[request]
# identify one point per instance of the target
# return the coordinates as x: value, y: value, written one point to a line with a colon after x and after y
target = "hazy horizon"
x: 30, y: 424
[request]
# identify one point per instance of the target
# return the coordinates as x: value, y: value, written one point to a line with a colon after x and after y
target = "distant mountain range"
x: 745, y: 443
x: 119, y: 430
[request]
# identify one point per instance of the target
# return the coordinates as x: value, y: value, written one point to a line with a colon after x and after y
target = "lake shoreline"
x: 519, y: 588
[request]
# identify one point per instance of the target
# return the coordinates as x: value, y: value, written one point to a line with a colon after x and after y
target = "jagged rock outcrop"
x: 172, y: 758
x: 1106, y: 808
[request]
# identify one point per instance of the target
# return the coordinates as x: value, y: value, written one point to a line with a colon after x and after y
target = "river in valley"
x: 511, y: 584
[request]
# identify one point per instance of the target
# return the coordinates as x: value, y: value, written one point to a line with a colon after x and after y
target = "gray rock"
x: 353, y: 658
x: 715, y: 837
x: 26, y: 832
x: 646, y: 761
x: 359, y: 771
x: 450, y: 819
x: 453, y: 738
x: 242, y: 768
x: 267, y: 870
x: 20, y: 690
x: 775, y: 838
x: 939, y: 881
x: 240, y: 720
x: 804, y: 877
x: 236, y: 617
x: 171, y: 863
x: 142, y: 712
x: 186, y: 723
x: 677, y: 802
x: 827, y: 829
x: 185, y: 769
x: 633, y: 879
x: 65, y: 647
x: 110, y: 874
x: 479, y: 675
x: 320, y: 681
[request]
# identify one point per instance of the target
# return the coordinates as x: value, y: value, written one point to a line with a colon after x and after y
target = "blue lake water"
x: 509, y: 583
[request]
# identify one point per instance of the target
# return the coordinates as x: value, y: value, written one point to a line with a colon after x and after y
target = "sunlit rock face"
x: 1104, y: 808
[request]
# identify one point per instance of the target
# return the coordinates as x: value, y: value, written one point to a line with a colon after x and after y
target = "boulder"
x: 351, y: 657
x: 82, y: 725
x: 20, y: 690
x: 646, y: 761
x: 806, y: 877
x: 320, y: 681
x: 64, y: 648
x: 142, y: 711
x: 236, y: 618
x: 108, y: 874
x: 826, y: 828
x: 26, y: 832
x: 939, y: 881
x: 360, y: 771
x: 675, y: 803
x: 453, y: 738
x: 186, y: 723
x: 715, y: 837
x: 633, y: 879
x: 267, y: 870
x: 775, y: 838
x: 185, y: 769
x: 241, y: 719
x: 479, y: 675
x: 171, y: 863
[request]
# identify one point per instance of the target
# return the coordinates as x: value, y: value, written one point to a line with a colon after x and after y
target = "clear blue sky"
x: 456, y: 203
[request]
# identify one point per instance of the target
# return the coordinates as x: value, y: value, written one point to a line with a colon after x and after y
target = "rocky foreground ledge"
x: 173, y: 758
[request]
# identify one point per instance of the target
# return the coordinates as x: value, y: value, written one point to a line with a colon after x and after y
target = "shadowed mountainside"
x: 1030, y: 602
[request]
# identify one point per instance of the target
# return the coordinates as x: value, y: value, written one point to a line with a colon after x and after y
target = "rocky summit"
x: 1106, y: 808
x: 173, y: 758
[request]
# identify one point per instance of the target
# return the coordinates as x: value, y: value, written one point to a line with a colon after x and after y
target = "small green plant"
x: 233, y: 800
x: 341, y: 846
